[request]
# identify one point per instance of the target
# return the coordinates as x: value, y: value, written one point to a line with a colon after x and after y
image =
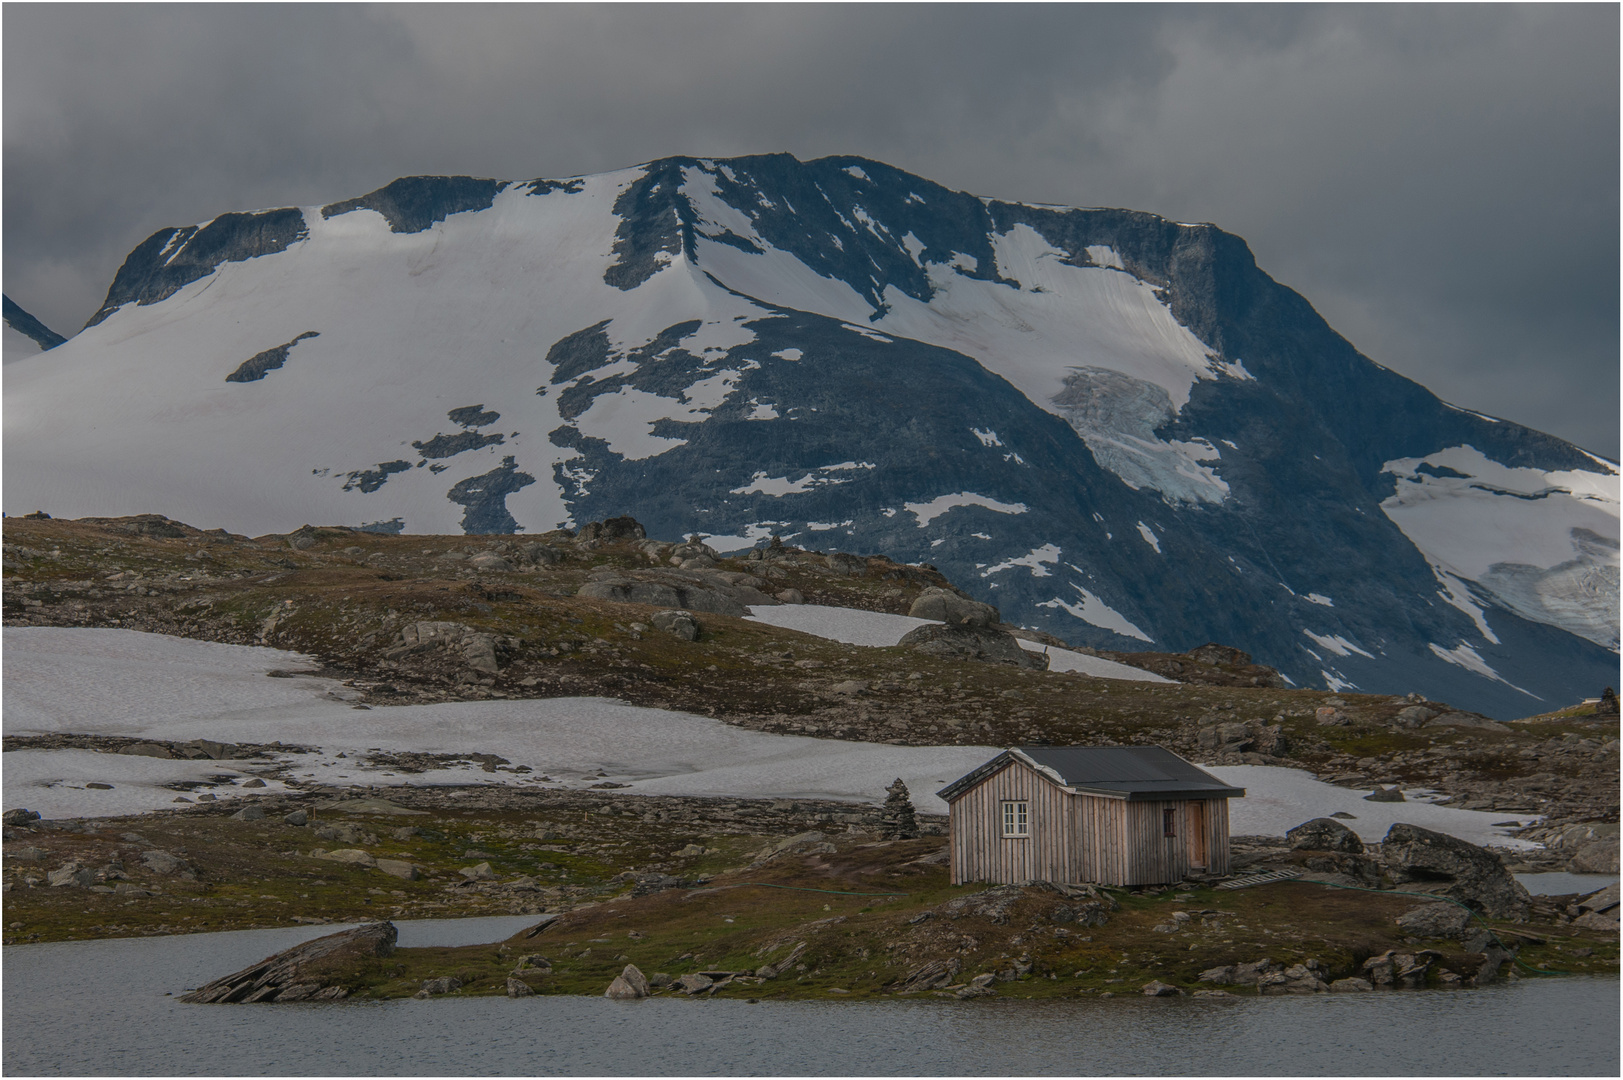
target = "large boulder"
x: 313, y: 971
x: 1451, y: 867
x: 1325, y: 834
x: 629, y: 985
x: 680, y: 623
x: 970, y: 642
x: 660, y: 594
x: 943, y: 605
x: 1439, y: 920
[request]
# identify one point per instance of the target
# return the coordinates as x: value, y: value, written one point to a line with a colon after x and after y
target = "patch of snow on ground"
x: 928, y: 511
x: 1149, y: 537
x: 52, y: 782
x: 1034, y: 561
x: 129, y: 683
x: 876, y: 629
x: 788, y: 354
x: 1322, y: 601
x: 1095, y: 612
x: 987, y: 437
x: 1096, y: 666
x: 1277, y: 800
x: 1337, y: 644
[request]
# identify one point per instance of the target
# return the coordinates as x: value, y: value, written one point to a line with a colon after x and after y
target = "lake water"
x: 99, y: 1008
x: 1560, y: 883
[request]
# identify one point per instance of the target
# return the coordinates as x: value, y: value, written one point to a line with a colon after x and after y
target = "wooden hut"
x: 1115, y: 815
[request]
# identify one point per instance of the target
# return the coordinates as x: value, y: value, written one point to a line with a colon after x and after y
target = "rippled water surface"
x: 100, y: 1008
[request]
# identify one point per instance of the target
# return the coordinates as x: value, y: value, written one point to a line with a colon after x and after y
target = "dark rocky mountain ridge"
x: 1124, y: 537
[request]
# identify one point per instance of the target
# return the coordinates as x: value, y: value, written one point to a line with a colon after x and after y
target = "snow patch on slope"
x: 1033, y: 561
x: 1544, y: 544
x: 1095, y: 612
x: 1462, y: 655
x: 927, y: 512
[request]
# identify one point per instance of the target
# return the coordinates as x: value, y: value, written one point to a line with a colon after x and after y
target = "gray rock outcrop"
x: 629, y: 985
x: 1325, y: 834
x: 680, y: 623
x: 972, y: 642
x: 1434, y: 862
x: 1440, y: 920
x: 943, y: 605
x: 302, y: 973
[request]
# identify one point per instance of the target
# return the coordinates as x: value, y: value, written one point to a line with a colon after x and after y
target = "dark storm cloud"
x: 1441, y: 182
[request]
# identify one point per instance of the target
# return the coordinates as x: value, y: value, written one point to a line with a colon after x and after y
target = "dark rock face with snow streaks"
x: 1116, y: 428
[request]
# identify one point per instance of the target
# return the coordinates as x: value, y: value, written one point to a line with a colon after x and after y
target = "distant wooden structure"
x: 1114, y: 815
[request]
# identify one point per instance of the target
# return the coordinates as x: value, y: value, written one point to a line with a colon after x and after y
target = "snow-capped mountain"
x: 1114, y: 426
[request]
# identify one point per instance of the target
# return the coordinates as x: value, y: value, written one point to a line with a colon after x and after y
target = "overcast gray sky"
x: 1441, y: 183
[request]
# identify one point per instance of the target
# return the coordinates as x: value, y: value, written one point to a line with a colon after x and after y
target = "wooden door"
x: 1196, y: 832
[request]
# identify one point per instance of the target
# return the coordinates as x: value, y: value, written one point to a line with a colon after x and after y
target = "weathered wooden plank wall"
x: 1082, y: 837
x: 980, y: 851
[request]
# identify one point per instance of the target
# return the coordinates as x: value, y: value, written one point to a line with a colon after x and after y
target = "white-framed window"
x: 1016, y: 818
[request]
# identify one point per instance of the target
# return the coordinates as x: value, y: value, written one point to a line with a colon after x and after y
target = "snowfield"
x: 122, y: 682
x: 878, y: 629
x: 1544, y: 544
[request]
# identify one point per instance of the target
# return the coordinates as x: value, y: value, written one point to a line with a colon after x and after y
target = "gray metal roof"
x: 1124, y: 772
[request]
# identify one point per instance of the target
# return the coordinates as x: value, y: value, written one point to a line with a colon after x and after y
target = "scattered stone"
x: 249, y: 813
x: 1440, y: 920
x: 161, y: 862
x: 256, y: 782
x: 1161, y: 989
x: 352, y: 856
x: 1414, y: 716
x: 695, y: 983
x: 399, y: 868
x: 1325, y: 834
x: 1604, y: 900
x: 517, y: 988
x: 934, y: 975
x: 481, y: 872
x: 1353, y: 985
x: 1385, y: 794
x: 71, y: 874
x: 19, y: 816
x: 146, y: 749
x: 850, y: 688
x: 790, y: 596
x: 680, y: 623
x: 442, y: 985
x: 298, y: 817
